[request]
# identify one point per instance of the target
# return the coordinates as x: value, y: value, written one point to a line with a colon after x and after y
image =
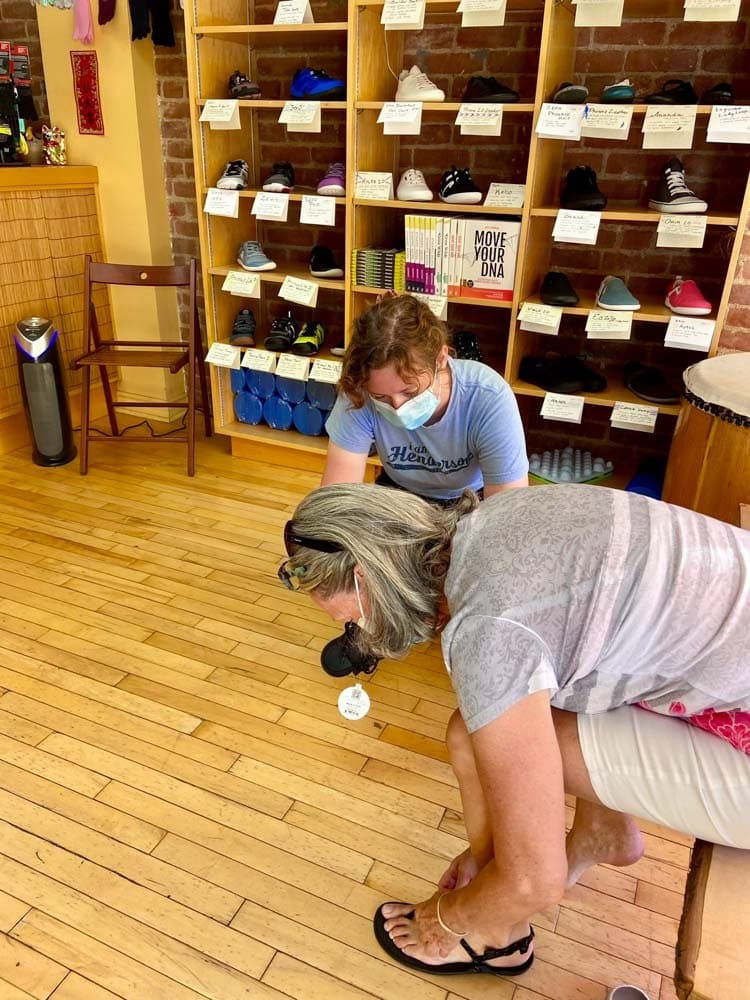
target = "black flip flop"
x: 477, y: 963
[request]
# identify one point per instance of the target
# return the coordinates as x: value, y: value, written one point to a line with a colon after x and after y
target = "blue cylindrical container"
x: 249, y: 408
x: 261, y: 384
x: 309, y: 419
x: 237, y: 379
x: 321, y: 394
x: 290, y: 389
x: 278, y: 413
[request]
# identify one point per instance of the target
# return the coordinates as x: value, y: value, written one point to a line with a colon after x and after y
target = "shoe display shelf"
x: 549, y: 160
x: 221, y: 39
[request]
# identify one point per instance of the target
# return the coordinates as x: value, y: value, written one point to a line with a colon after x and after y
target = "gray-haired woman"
x: 597, y: 643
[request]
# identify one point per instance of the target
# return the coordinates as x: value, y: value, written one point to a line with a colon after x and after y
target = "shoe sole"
x: 618, y: 308
x: 466, y: 198
x: 336, y: 94
x: 625, y: 99
x: 688, y: 310
x: 492, y: 99
x: 596, y: 205
x: 559, y: 300
x: 422, y: 99
x: 278, y: 188
x: 338, y: 351
x: 276, y: 345
x: 571, y: 95
x: 231, y: 187
x: 688, y: 208
x: 333, y: 272
x: 254, y: 96
x: 242, y: 340
x: 268, y: 266
x: 416, y: 196
x: 332, y: 190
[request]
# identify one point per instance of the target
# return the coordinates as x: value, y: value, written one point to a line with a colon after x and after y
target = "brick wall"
x: 18, y: 25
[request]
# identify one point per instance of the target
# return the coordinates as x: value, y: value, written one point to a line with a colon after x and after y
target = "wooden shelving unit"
x: 221, y: 40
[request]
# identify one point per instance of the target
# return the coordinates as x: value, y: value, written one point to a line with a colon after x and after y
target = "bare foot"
x: 601, y: 836
x: 459, y: 953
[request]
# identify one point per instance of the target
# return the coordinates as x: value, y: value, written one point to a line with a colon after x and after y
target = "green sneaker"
x: 614, y: 294
x: 310, y: 338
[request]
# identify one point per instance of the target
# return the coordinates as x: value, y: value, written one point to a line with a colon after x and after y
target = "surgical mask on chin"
x: 362, y: 620
x: 414, y: 412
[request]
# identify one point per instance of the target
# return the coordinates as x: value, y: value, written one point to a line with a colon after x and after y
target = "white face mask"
x: 415, y: 412
x: 362, y: 621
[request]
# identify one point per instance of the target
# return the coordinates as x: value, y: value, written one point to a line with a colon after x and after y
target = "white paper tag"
x: 482, y: 13
x: 259, y: 361
x: 325, y: 370
x: 270, y: 205
x: 634, y: 417
x: 403, y: 15
x: 729, y: 123
x: 293, y: 366
x: 681, y: 231
x: 712, y: 10
x: 373, y: 185
x: 293, y: 12
x: 219, y: 202
x: 437, y: 304
x: 301, y: 116
x: 669, y: 126
x: 560, y: 121
x: 538, y: 317
x: 690, y: 333
x: 299, y: 290
x: 480, y: 119
x: 223, y: 114
x: 224, y: 355
x: 401, y: 118
x: 318, y: 210
x: 354, y: 703
x: 505, y: 195
x: 243, y: 284
x: 576, y: 227
x: 597, y: 14
x: 559, y: 406
x: 606, y: 324
x: 607, y: 121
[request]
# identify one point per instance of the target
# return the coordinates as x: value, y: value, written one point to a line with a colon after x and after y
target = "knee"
x: 457, y: 739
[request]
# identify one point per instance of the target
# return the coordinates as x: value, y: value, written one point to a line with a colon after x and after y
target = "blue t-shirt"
x: 478, y: 441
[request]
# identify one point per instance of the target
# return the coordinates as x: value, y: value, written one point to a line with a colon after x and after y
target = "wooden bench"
x: 713, y: 944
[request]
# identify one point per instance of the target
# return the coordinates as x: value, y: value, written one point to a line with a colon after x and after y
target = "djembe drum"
x: 709, y: 463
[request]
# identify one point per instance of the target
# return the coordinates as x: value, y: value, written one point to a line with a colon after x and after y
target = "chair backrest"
x: 135, y: 274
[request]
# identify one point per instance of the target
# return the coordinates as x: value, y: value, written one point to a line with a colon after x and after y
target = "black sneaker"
x: 722, y: 93
x: 556, y: 290
x: 343, y: 655
x: 240, y: 87
x: 581, y: 191
x: 467, y: 348
x: 673, y: 92
x: 570, y: 93
x: 458, y: 188
x: 323, y: 263
x: 310, y: 338
x: 281, y: 178
x: 561, y: 374
x: 282, y: 333
x: 673, y: 196
x: 243, y: 329
x: 487, y: 90
x: 650, y: 383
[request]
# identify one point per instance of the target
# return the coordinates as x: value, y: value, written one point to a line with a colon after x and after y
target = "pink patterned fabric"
x: 83, y: 22
x: 732, y: 726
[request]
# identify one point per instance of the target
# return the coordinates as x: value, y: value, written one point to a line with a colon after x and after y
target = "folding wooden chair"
x: 172, y: 355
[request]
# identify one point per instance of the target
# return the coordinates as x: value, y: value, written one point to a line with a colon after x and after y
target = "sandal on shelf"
x: 476, y: 963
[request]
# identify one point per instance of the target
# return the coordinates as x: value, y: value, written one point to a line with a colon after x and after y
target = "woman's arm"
x: 343, y: 466
x: 492, y: 488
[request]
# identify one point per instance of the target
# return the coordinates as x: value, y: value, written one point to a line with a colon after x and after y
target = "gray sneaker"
x: 614, y: 294
x: 281, y: 178
x: 250, y: 256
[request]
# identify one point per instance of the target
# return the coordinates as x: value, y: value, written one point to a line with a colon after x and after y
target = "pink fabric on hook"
x: 83, y: 22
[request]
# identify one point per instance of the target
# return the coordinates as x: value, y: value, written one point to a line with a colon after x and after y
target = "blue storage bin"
x: 248, y: 407
x: 309, y: 419
x: 322, y: 395
x: 290, y: 389
x: 262, y: 384
x: 278, y: 413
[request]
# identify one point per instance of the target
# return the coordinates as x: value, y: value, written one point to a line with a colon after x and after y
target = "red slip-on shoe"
x: 686, y: 299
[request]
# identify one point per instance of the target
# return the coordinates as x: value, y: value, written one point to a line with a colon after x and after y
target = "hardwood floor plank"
x: 590, y: 963
x: 10, y: 992
x: 616, y: 941
x: 634, y: 916
x: 37, y: 760
x: 303, y: 982
x: 411, y: 740
x: 73, y: 620
x: 43, y: 652
x: 653, y: 897
x: 11, y: 910
x: 413, y: 783
x: 21, y: 729
x: 28, y: 970
x: 214, y: 658
x: 75, y: 987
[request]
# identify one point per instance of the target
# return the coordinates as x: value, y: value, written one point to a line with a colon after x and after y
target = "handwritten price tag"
x: 401, y: 118
x: 403, y: 15
x: 298, y: 290
x: 226, y: 203
x: 373, y: 185
x: 560, y: 121
x: 243, y: 284
x: 480, y: 119
x: 604, y: 324
x: 559, y: 406
x: 292, y: 366
x: 505, y: 195
x: 607, y: 121
x: 223, y: 355
x: 634, y: 417
x: 681, y: 231
x: 318, y: 210
x: 269, y: 205
x: 690, y: 333
x: 259, y: 361
x: 576, y: 227
x: 325, y: 370
x: 221, y: 114
x: 540, y: 318
x: 669, y: 126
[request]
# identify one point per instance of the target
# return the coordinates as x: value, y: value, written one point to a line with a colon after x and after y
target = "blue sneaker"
x: 614, y: 294
x: 316, y: 85
x: 250, y: 256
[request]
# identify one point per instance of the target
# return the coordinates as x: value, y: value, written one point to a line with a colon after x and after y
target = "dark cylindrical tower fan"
x: 40, y: 373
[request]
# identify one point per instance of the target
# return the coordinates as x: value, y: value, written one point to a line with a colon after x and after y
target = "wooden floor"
x: 183, y: 813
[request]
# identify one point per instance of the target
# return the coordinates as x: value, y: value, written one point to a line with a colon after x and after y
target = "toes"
x: 391, y: 910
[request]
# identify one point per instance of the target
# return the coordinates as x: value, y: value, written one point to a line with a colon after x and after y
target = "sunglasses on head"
x: 293, y: 541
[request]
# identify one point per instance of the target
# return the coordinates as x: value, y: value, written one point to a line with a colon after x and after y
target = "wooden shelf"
x: 437, y: 206
x: 296, y: 195
x: 276, y: 277
x: 282, y: 439
x: 449, y: 6
x: 260, y: 105
x: 636, y: 215
x: 324, y: 354
x: 615, y: 392
x: 652, y: 308
x: 447, y: 106
x: 276, y: 33
x: 461, y: 301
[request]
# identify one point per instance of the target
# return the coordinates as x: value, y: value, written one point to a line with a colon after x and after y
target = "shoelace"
x: 676, y: 182
x: 414, y: 177
x: 423, y: 82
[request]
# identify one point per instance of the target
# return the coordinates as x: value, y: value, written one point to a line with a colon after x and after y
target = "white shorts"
x: 670, y: 772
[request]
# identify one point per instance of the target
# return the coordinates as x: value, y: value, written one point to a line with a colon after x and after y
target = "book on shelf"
x: 488, y: 258
x: 379, y: 268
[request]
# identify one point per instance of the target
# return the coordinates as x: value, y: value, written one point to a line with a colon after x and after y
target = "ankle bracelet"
x: 445, y: 927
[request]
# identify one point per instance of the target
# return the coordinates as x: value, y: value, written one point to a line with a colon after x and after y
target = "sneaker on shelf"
x: 650, y: 383
x: 241, y: 87
x: 560, y: 373
x: 673, y: 92
x: 235, y: 177
x: 282, y: 333
x: 570, y: 93
x: 344, y: 655
x: 686, y: 299
x: 243, y: 329
x: 334, y: 181
x: 316, y: 85
x: 467, y: 346
x: 672, y: 195
x: 721, y: 93
x: 619, y: 93
x: 614, y: 294
x: 339, y: 350
x: 581, y: 191
x: 281, y: 178
x: 457, y: 188
x: 323, y: 263
x: 414, y: 85
x: 310, y: 338
x: 488, y: 90
x: 250, y: 256
x: 413, y: 187
x: 556, y: 290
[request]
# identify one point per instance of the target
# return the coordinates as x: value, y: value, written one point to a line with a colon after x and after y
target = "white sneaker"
x: 415, y: 85
x: 413, y: 187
